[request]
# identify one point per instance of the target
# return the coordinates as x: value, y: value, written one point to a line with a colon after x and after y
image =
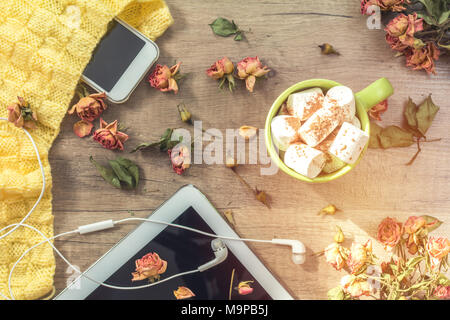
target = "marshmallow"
x: 320, y: 125
x: 304, y: 159
x: 304, y: 103
x: 349, y: 143
x: 285, y: 131
x: 343, y: 97
x: 325, y: 145
x: 356, y: 122
x: 332, y: 163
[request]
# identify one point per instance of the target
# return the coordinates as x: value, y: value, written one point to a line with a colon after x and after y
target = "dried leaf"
x: 262, y: 197
x: 432, y: 223
x: 132, y: 168
x: 229, y: 215
x: 389, y: 137
x: 122, y: 173
x: 425, y: 115
x: 107, y: 173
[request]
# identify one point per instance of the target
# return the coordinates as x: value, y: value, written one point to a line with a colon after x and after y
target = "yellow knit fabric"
x: 44, y: 47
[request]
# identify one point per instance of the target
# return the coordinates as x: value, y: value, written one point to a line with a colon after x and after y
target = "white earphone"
x: 219, y: 248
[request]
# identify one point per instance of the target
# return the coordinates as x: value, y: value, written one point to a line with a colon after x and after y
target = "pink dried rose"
x: 442, y: 292
x: 389, y: 233
x: 376, y: 111
x: 360, y: 255
x: 437, y: 248
x: 414, y: 224
x: 334, y: 257
x: 401, y: 30
x: 164, y: 78
x: 244, y: 288
x: 220, y: 68
x: 354, y: 286
x: 183, y: 293
x: 21, y: 115
x: 83, y: 128
x: 385, y: 5
x: 180, y: 158
x: 149, y: 267
x: 249, y: 69
x: 91, y: 107
x: 109, y: 137
x: 423, y: 58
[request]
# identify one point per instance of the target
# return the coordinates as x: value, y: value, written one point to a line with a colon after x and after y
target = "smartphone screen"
x: 115, y: 52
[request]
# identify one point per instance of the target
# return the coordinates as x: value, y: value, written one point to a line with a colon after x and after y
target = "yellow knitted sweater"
x: 44, y: 47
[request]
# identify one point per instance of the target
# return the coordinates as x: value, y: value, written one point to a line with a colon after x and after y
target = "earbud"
x: 298, y: 249
x: 221, y: 253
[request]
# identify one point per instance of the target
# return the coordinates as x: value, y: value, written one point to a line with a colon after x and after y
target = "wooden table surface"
x: 285, y: 35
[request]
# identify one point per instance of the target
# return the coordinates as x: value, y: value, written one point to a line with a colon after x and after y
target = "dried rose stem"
x: 243, y: 181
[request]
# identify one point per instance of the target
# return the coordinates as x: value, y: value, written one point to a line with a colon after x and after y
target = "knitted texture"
x: 44, y: 47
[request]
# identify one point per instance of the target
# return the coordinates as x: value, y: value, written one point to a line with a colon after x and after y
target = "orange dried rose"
x: 249, y: 69
x: 220, y: 68
x: 109, y: 137
x: 401, y: 30
x: 390, y: 5
x: 91, y: 107
x: 183, y: 293
x: 149, y: 267
x: 389, y: 233
x: 438, y: 248
x: 414, y: 224
x: 164, y: 78
x: 377, y: 110
x: 423, y: 58
x: 21, y: 115
x: 82, y: 128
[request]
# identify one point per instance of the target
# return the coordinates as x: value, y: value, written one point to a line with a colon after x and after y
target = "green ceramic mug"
x: 365, y: 99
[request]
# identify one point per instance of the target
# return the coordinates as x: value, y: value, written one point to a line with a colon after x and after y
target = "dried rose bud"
x: 91, y: 107
x: 247, y: 132
x: 164, y: 78
x: 230, y: 161
x: 249, y: 69
x: 339, y: 235
x: 183, y: 293
x: 149, y: 266
x: 327, y: 48
x: 21, y: 114
x: 185, y: 115
x: 328, y: 210
x: 180, y: 158
x: 244, y: 288
x: 83, y: 128
x: 109, y: 137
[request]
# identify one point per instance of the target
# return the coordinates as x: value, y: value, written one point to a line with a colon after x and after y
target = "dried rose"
x: 438, y: 248
x: 401, y: 30
x: 21, y: 114
x: 164, y: 78
x: 83, y: 128
x: 149, y: 267
x: 244, y: 288
x: 109, y: 137
x: 222, y: 69
x: 414, y: 224
x: 389, y: 233
x: 423, y: 58
x: 91, y: 107
x: 249, y: 69
x: 180, y: 158
x: 390, y: 5
x: 365, y: 4
x: 359, y: 257
x: 442, y: 292
x: 354, y: 286
x: 185, y: 115
x: 377, y: 110
x: 334, y: 257
x: 183, y: 293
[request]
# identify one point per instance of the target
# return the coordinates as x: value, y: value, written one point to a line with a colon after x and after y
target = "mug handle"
x: 374, y: 93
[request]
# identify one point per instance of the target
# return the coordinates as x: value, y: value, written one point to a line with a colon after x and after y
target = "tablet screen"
x: 184, y: 251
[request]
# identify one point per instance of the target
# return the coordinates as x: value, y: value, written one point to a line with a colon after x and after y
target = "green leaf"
x: 224, y: 27
x: 238, y: 36
x: 132, y: 168
x: 107, y: 173
x: 336, y: 294
x: 425, y: 115
x: 122, y: 173
x: 443, y: 280
x: 432, y: 223
x: 444, y: 16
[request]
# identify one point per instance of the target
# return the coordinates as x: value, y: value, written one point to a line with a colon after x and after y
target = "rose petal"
x: 183, y: 293
x: 82, y: 128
